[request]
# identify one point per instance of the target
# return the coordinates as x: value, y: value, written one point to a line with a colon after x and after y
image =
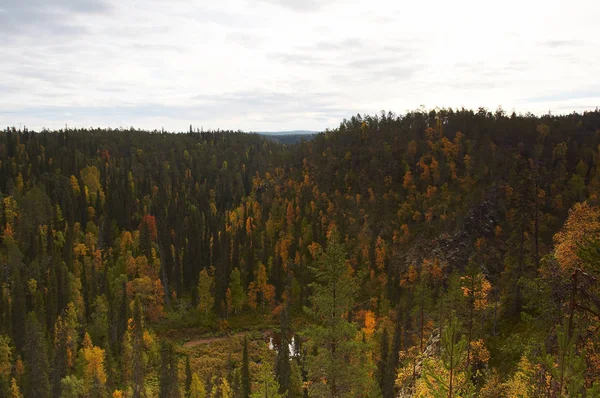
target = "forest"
x: 442, y: 253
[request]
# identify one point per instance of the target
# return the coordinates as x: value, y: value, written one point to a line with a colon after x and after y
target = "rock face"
x: 455, y: 247
x: 432, y: 349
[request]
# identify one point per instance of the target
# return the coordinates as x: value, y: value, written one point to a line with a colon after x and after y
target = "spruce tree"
x: 168, y: 372
x: 246, y: 391
x: 36, y: 359
x: 383, y: 358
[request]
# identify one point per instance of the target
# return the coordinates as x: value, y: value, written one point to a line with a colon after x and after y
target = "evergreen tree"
x: 36, y: 359
x: 246, y: 391
x: 266, y: 386
x: 334, y: 365
x: 383, y: 358
x: 236, y: 291
x: 453, y: 355
x: 145, y: 241
x: 168, y: 372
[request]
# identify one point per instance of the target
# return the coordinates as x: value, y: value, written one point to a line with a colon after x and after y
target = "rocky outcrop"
x: 432, y: 349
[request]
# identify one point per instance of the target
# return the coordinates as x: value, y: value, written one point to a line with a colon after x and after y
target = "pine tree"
x: 36, y: 359
x: 168, y: 372
x: 453, y: 355
x: 246, y: 391
x: 393, y: 359
x: 145, y: 241
x: 383, y: 358
x: 334, y: 365
x: 567, y: 368
x: 266, y: 386
x: 236, y: 291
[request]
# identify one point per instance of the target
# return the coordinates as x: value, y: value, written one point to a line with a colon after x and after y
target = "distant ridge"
x: 288, y: 137
x: 290, y: 132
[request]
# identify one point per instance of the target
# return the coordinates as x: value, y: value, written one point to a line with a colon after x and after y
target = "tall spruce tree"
x: 246, y: 391
x: 36, y: 359
x: 168, y: 372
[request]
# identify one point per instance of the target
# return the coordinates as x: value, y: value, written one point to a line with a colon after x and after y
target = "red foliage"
x: 151, y: 222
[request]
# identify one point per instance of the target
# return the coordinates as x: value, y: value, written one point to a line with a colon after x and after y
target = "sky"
x: 271, y: 65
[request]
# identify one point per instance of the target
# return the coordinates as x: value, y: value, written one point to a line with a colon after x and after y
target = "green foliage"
x: 206, y: 298
x: 246, y: 388
x: 237, y: 290
x: 72, y: 387
x: 136, y: 237
x: 453, y: 356
x: 567, y: 368
x: 169, y: 385
x: 36, y: 358
x: 266, y: 386
x: 334, y: 366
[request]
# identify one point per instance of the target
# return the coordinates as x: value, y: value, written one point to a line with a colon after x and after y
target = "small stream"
x: 274, y: 341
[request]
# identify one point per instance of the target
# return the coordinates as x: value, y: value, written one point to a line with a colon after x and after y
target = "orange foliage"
x: 583, y: 222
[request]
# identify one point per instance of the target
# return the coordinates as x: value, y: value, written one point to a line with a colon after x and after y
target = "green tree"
x: 383, y: 358
x: 246, y: 389
x: 72, y: 387
x: 237, y: 291
x: 197, y: 389
x: 36, y: 359
x: 334, y: 366
x: 453, y: 356
x: 168, y: 372
x: 266, y: 385
x: 206, y: 299
x: 567, y: 368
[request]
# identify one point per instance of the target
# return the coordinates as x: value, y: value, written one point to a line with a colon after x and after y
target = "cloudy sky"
x: 266, y: 65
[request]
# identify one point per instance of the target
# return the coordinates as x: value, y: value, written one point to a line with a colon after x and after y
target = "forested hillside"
x: 448, y: 253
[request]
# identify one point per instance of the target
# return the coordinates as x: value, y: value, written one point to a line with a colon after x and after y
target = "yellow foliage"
x: 518, y: 386
x: 14, y: 389
x: 94, y: 358
x: 479, y: 352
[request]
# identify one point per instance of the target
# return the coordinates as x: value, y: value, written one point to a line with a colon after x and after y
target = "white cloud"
x: 288, y: 64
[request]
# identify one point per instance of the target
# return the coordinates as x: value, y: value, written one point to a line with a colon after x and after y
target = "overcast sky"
x: 289, y: 64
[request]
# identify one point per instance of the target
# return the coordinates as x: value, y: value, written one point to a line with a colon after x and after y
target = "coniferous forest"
x: 443, y: 253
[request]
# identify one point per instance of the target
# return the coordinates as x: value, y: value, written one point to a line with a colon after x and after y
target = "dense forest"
x: 443, y: 253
